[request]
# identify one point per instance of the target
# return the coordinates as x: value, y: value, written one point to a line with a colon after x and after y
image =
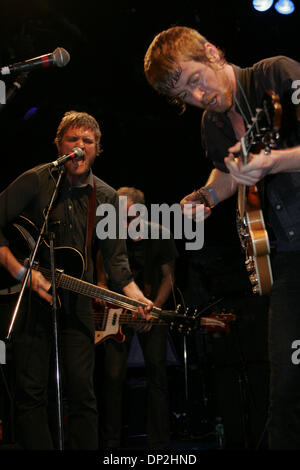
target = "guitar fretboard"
x: 79, y: 286
x: 127, y: 318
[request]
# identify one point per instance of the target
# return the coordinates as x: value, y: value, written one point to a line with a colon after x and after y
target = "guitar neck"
x: 79, y: 286
x: 241, y: 198
x: 126, y: 318
x: 242, y: 189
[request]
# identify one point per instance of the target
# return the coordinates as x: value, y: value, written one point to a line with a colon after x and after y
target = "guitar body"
x: 107, y: 323
x: 255, y: 241
x: 22, y: 235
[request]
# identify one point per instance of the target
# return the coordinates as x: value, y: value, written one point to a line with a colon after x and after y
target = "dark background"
x: 146, y: 143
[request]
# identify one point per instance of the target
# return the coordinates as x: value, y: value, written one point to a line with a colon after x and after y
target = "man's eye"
x: 182, y: 96
x: 195, y: 80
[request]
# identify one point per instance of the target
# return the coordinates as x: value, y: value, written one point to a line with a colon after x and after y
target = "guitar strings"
x: 247, y: 104
x: 70, y: 283
x: 127, y: 318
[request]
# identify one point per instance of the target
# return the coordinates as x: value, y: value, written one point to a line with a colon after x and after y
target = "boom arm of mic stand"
x: 16, y: 86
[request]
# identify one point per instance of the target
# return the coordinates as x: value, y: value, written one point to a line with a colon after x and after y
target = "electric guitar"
x: 21, y: 234
x: 263, y: 133
x: 108, y: 320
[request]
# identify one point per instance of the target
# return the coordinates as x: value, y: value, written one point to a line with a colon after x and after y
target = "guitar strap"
x: 91, y: 216
x: 90, y: 222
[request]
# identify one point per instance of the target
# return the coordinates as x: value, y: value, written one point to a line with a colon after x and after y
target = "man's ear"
x: 212, y: 53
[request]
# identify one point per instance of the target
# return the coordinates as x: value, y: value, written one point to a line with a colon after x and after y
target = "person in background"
x: 152, y: 263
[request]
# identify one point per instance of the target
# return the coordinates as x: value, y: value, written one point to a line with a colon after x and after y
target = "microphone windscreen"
x: 61, y: 57
x: 78, y: 152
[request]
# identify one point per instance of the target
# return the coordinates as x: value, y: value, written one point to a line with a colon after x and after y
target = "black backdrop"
x: 145, y: 142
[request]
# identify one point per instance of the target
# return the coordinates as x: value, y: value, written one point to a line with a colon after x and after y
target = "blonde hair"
x: 136, y: 195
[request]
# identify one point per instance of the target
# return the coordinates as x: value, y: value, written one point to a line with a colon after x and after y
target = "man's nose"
x: 198, y: 94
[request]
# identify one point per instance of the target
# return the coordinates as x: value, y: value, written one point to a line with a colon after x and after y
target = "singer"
x: 73, y: 221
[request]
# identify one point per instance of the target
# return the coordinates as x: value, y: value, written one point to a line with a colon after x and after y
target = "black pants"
x: 154, y: 347
x: 33, y: 349
x: 284, y: 330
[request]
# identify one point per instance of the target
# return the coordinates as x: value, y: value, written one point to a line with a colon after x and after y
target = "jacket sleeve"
x: 15, y: 198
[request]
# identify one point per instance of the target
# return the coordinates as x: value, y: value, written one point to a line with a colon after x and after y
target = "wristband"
x: 20, y: 273
x: 212, y: 193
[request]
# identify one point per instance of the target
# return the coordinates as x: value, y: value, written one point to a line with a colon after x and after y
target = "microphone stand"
x: 16, y: 86
x: 54, y: 302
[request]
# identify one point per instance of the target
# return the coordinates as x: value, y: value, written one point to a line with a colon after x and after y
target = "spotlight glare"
x: 262, y: 5
x: 285, y: 7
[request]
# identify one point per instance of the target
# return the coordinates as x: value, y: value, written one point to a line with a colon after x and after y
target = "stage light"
x: 285, y: 7
x: 262, y: 5
x: 30, y: 112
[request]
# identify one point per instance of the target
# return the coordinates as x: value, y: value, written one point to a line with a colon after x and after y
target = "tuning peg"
x: 186, y: 311
x: 255, y: 289
x: 253, y: 279
x: 249, y: 263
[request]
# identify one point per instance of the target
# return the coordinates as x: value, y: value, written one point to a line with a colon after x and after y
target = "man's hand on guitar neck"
x: 133, y: 291
x: 258, y: 166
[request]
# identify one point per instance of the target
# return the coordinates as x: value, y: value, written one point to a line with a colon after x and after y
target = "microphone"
x: 75, y: 155
x: 60, y: 57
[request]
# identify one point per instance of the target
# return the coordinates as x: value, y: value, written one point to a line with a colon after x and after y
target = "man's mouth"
x: 78, y: 163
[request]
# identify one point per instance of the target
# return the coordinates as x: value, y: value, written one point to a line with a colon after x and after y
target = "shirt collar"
x: 88, y: 182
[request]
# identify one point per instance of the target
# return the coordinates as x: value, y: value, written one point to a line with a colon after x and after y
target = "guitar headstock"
x: 263, y: 133
x: 269, y: 121
x: 218, y: 321
x: 272, y: 111
x: 182, y: 322
x: 189, y: 321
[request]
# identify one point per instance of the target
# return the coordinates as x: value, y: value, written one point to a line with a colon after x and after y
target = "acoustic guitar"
x: 262, y: 134
x: 22, y: 234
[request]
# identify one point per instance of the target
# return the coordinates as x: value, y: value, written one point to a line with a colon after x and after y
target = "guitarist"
x: 181, y: 64
x: 152, y: 264
x: 73, y: 221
